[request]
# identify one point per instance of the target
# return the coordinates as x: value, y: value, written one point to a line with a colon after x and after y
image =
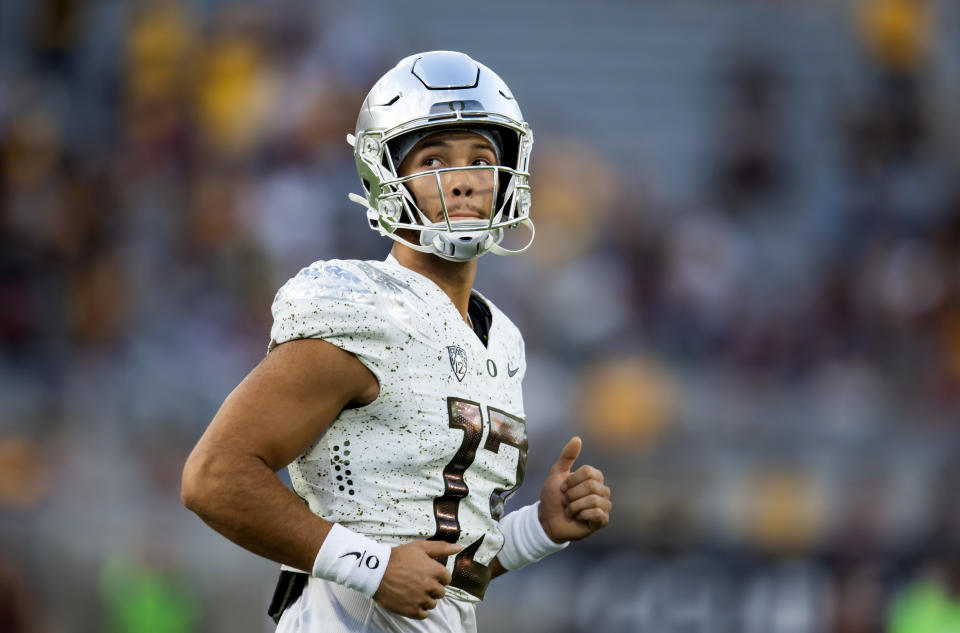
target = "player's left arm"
x: 573, y: 505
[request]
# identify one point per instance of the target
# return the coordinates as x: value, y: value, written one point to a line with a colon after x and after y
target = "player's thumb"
x: 568, y: 455
x: 439, y: 549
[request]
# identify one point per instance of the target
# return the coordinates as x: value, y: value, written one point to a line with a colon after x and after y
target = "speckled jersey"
x: 435, y: 455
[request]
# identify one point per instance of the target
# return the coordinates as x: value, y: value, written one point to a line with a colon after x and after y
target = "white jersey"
x: 435, y: 455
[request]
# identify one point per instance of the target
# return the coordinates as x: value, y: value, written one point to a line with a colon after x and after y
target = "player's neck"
x: 454, y: 278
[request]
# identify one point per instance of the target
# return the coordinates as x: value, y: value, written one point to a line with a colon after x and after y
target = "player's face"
x: 468, y: 194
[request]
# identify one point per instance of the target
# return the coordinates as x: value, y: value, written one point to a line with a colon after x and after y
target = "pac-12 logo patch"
x: 458, y: 361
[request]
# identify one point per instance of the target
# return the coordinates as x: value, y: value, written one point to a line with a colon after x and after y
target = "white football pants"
x: 326, y: 607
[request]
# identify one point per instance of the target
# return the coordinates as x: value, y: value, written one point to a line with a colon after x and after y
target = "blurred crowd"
x: 772, y: 387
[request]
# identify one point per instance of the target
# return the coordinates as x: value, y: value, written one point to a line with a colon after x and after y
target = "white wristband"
x: 352, y: 560
x: 524, y: 540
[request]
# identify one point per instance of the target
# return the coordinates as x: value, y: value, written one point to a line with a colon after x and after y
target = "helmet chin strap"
x: 496, y: 249
x: 456, y: 247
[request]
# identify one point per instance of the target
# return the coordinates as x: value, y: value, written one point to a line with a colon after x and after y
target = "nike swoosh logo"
x: 512, y: 372
x: 357, y: 554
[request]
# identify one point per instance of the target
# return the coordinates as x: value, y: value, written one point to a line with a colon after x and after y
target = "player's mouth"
x: 466, y: 213
x: 466, y: 216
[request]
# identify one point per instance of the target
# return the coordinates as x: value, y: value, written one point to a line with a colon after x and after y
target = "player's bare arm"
x: 282, y: 406
x: 278, y: 410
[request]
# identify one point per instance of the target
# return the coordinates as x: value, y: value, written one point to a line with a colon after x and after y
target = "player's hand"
x: 573, y: 505
x: 414, y: 581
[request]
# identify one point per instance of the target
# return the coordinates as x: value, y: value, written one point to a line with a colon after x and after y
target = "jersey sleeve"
x: 336, y: 302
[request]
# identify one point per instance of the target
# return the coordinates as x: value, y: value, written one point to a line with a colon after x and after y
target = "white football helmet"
x: 430, y: 92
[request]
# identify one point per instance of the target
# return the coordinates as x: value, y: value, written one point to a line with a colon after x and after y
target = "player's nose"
x: 460, y: 183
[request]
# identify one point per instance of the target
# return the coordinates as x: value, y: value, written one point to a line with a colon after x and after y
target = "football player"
x: 392, y: 389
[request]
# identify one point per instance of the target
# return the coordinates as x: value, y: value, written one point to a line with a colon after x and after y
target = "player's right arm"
x: 273, y: 416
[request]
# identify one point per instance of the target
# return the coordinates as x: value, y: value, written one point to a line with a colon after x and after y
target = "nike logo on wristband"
x: 352, y: 560
x: 371, y: 561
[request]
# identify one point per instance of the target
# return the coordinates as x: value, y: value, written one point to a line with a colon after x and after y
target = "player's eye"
x: 431, y: 163
x: 481, y: 161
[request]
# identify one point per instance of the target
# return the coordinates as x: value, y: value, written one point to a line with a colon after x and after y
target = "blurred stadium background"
x: 744, y: 295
